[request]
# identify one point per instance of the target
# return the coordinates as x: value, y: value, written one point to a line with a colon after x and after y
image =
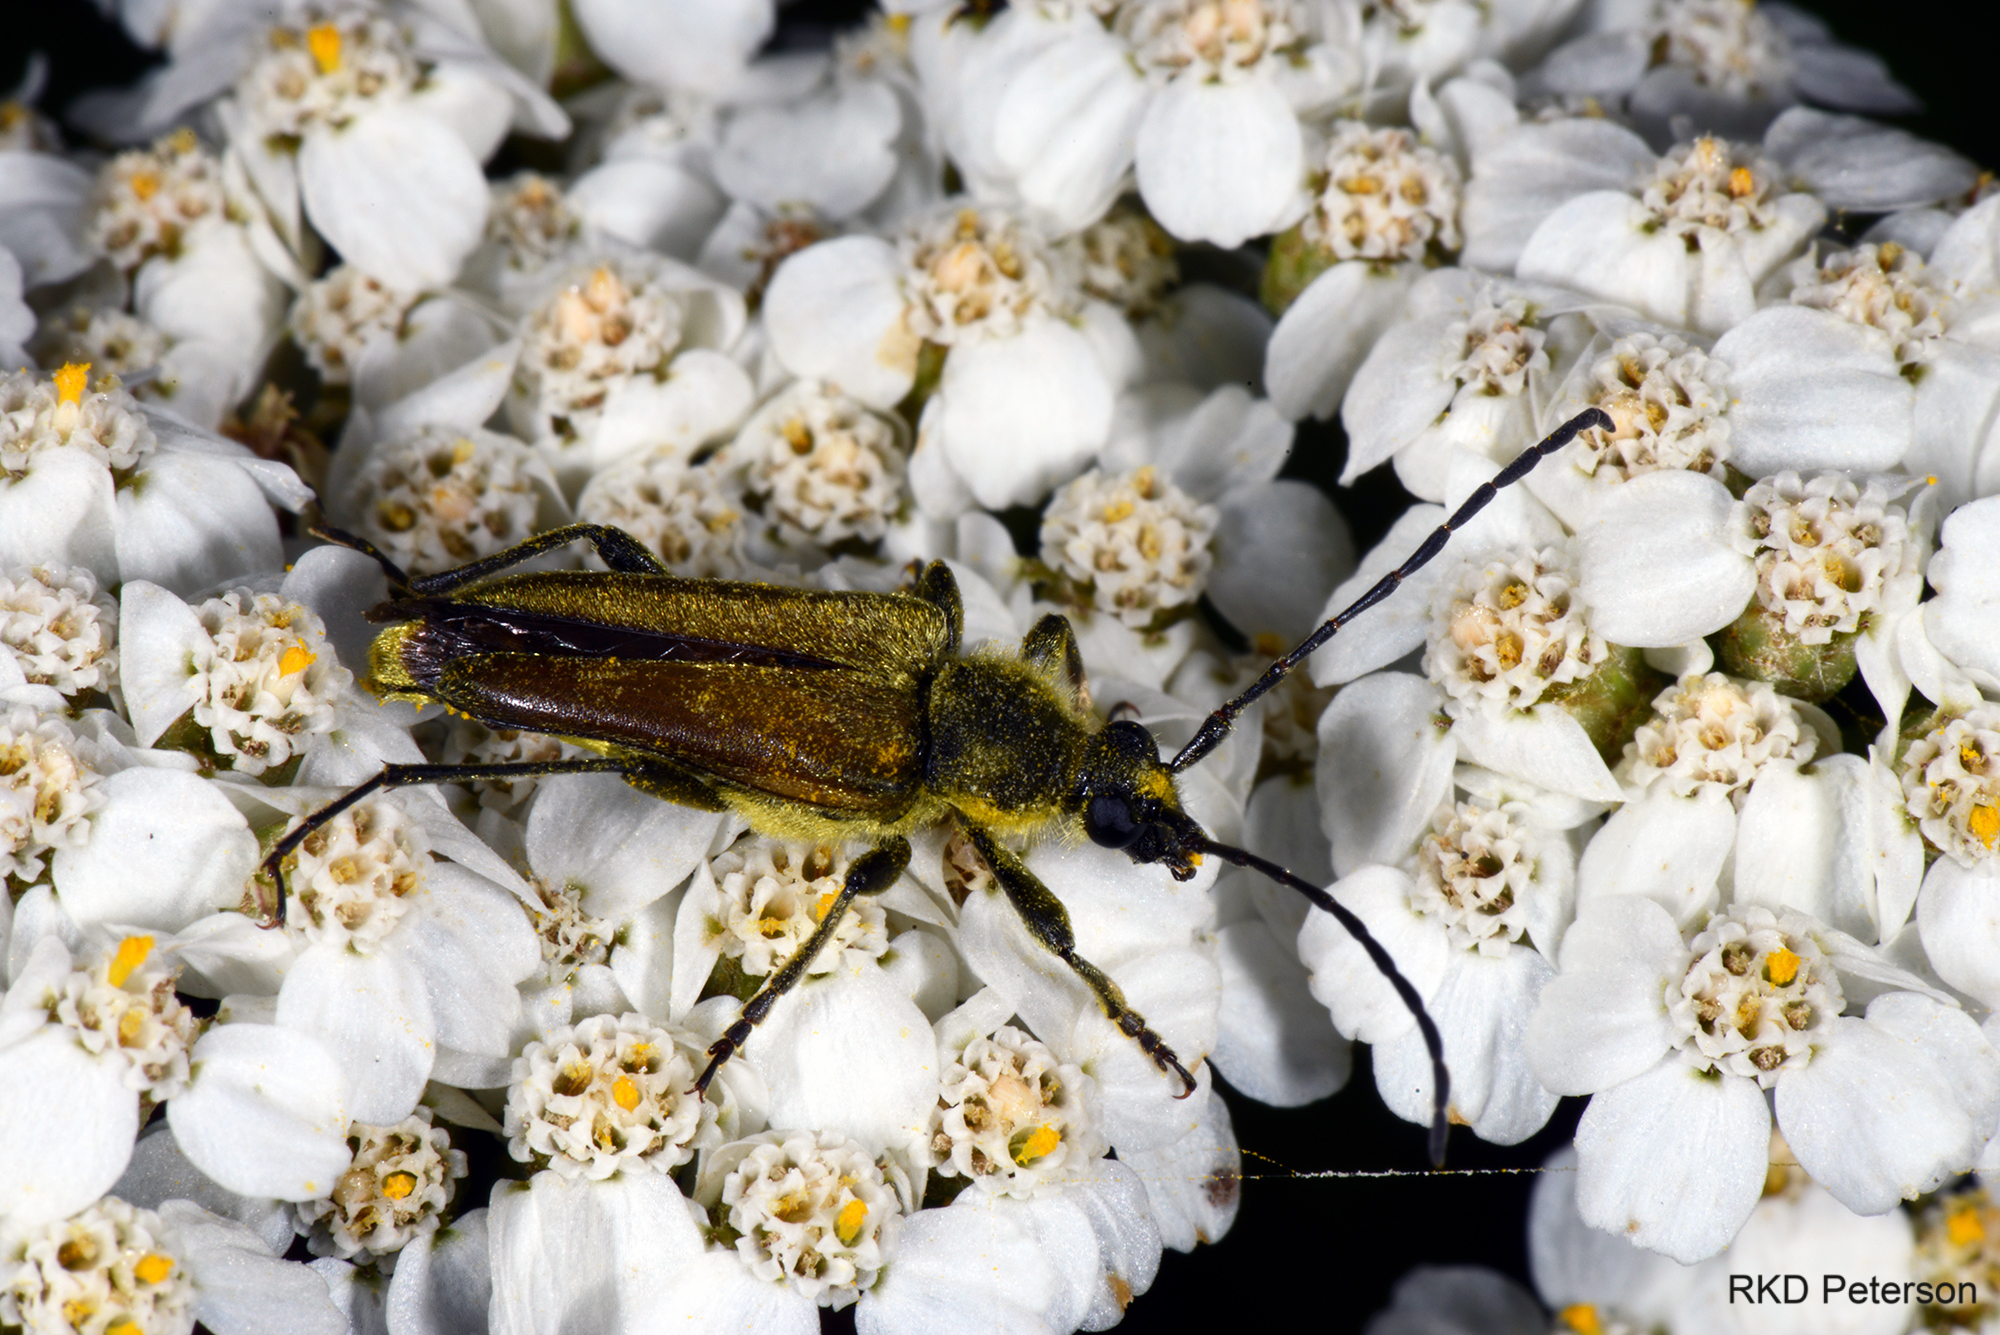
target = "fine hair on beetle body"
x: 830, y: 716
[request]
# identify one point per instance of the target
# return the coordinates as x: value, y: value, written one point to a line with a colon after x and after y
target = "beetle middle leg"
x: 1048, y: 922
x: 871, y: 873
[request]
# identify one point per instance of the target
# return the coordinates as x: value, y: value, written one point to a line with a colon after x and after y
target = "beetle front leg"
x: 1048, y: 923
x: 872, y: 872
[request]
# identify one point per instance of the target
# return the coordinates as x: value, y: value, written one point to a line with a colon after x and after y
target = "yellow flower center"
x: 132, y: 952
x: 323, y: 40
x: 848, y: 1223
x: 153, y: 1267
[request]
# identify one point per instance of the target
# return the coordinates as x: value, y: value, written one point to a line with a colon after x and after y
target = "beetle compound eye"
x: 1110, y: 822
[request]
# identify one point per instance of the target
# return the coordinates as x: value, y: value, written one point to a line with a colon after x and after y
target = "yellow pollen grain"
x: 78, y: 1310
x: 899, y: 23
x: 821, y: 905
x: 323, y: 40
x: 130, y: 1026
x: 295, y: 659
x: 70, y: 381
x: 132, y: 952
x: 1783, y: 966
x: 396, y: 1186
x: 124, y: 1325
x: 1985, y: 823
x: 848, y: 1223
x: 1741, y: 182
x: 625, y: 1092
x: 1962, y: 1227
x: 154, y: 1267
x: 145, y: 185
x: 1041, y: 1143
x: 1581, y: 1318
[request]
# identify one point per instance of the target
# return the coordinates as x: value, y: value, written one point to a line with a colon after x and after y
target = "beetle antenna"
x: 399, y: 579
x: 1440, y: 1077
x: 1217, y: 725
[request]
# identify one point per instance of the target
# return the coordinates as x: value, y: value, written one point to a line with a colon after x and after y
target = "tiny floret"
x: 978, y: 273
x: 1476, y: 873
x: 1011, y: 1116
x: 260, y: 690
x: 1951, y: 785
x: 48, y: 789
x: 339, y: 315
x: 774, y: 893
x: 123, y: 1010
x: 820, y: 467
x: 149, y: 199
x: 395, y: 1191
x: 353, y: 876
x: 64, y: 411
x: 1212, y: 40
x: 1669, y: 403
x: 1127, y: 259
x: 61, y: 628
x: 1756, y: 997
x: 1713, y: 733
x: 1711, y: 183
x: 1495, y: 349
x: 1132, y: 545
x: 439, y: 497
x: 1886, y: 287
x: 1506, y: 633
x: 1826, y: 550
x: 111, y: 1269
x: 1384, y: 197
x: 693, y: 516
x: 608, y: 1093
x: 325, y: 73
x: 810, y: 1210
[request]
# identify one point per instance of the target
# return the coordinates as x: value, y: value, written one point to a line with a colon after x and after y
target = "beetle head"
x: 1126, y: 799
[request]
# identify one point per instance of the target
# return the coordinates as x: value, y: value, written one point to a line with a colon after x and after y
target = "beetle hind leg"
x: 1048, y: 922
x: 871, y: 873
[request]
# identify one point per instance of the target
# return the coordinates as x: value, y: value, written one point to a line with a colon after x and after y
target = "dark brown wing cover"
x: 843, y: 741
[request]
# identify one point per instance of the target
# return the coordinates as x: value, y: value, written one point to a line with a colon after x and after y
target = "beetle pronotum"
x: 832, y: 715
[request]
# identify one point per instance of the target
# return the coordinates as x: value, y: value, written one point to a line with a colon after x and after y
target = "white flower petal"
x: 1523, y: 176
x: 1365, y: 1005
x: 265, y: 1113
x: 67, y: 1123
x: 716, y: 1293
x: 1397, y: 625
x: 471, y: 943
x: 1385, y: 764
x: 652, y: 202
x: 189, y: 521
x: 374, y: 1016
x: 1219, y: 162
x: 834, y: 151
x: 197, y: 851
x: 1208, y: 337
x: 1873, y: 1117
x: 968, y: 1269
x: 1673, y: 1159
x: 1018, y: 415
x: 850, y: 1052
x: 586, y: 1256
x: 1068, y: 124
x: 1656, y: 564
x: 1274, y: 1042
x: 1812, y: 390
x: 160, y: 1172
x: 241, y: 1287
x: 1195, y: 1182
x: 1610, y: 245
x: 1668, y: 848
x: 60, y: 509
x: 1545, y: 746
x: 834, y: 311
x: 443, y: 1283
x: 397, y: 194
x: 624, y: 847
x: 1603, y: 1019
x: 1958, y: 919
x: 1478, y: 1007
x: 1323, y: 336
x: 698, y: 44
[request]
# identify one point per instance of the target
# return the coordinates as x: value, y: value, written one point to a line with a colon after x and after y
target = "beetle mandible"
x: 828, y: 716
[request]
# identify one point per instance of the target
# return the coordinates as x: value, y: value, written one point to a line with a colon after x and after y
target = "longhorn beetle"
x: 827, y: 716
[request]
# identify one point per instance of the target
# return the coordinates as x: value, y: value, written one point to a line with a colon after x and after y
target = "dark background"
x: 1337, y: 1245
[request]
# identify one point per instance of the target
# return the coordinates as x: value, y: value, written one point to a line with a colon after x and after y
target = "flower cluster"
x: 1671, y: 781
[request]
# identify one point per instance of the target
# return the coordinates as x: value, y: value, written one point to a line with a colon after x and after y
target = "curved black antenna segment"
x: 1440, y: 1077
x: 399, y: 580
x: 1217, y: 725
